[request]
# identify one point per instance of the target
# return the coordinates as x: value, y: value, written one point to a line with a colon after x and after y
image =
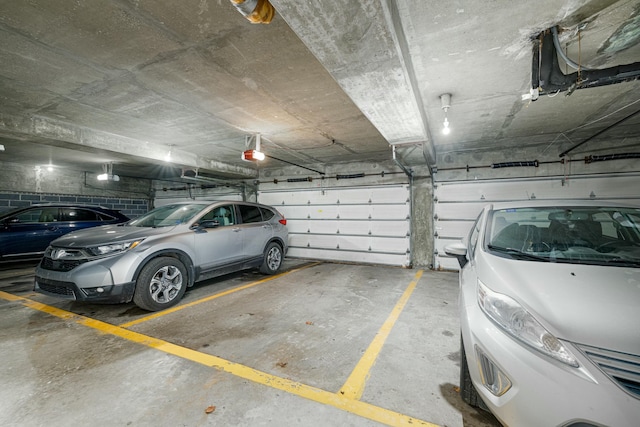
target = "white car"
x: 550, y: 314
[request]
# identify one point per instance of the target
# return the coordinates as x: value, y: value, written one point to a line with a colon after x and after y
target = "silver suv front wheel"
x: 161, y: 284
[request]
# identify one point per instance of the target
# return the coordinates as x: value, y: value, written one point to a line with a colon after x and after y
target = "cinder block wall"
x: 25, y: 185
x: 128, y: 206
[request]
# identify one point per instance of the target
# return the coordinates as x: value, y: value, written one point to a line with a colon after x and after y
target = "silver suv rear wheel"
x: 272, y: 259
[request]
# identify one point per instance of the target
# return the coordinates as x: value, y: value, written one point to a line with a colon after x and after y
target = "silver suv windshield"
x: 168, y: 215
x: 578, y: 235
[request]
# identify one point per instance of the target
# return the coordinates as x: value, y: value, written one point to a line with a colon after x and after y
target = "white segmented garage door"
x: 457, y: 204
x: 369, y: 224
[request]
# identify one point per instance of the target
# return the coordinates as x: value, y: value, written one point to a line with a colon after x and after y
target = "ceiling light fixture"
x: 107, y: 174
x: 445, y: 103
x: 167, y: 158
x: 253, y: 155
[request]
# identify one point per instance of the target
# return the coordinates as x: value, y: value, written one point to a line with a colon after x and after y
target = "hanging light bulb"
x: 446, y: 130
x: 167, y: 157
x: 445, y: 103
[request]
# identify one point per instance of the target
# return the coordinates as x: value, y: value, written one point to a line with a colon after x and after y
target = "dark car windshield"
x: 571, y: 234
x: 169, y: 215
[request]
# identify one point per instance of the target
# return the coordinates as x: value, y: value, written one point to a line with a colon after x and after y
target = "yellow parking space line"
x: 211, y: 297
x: 354, y: 387
x: 336, y: 400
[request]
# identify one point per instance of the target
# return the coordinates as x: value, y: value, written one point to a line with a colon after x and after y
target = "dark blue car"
x: 25, y: 233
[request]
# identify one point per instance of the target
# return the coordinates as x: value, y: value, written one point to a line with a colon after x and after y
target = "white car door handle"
x: 235, y: 230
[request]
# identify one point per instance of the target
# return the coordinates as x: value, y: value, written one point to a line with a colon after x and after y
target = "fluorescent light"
x: 107, y: 177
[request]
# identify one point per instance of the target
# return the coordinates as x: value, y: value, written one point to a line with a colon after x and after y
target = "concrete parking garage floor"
x: 321, y: 344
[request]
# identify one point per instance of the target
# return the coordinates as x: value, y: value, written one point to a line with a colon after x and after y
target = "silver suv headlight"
x: 519, y: 323
x: 113, y: 248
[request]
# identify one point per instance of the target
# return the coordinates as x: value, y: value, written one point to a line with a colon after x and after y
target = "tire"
x: 272, y: 259
x: 468, y: 392
x: 161, y: 284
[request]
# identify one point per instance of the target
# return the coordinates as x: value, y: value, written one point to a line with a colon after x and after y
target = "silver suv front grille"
x: 53, y: 265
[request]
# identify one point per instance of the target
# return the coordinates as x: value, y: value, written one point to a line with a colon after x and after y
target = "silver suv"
x: 154, y: 258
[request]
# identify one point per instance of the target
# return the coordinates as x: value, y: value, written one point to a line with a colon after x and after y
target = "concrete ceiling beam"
x: 362, y: 46
x: 53, y: 130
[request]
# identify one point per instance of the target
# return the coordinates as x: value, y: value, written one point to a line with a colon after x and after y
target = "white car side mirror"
x: 458, y: 250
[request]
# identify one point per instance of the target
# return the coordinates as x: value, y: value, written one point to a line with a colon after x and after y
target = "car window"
x: 225, y: 215
x: 35, y: 215
x: 267, y: 214
x: 597, y: 235
x: 168, y: 215
x: 250, y: 214
x: 78, y: 214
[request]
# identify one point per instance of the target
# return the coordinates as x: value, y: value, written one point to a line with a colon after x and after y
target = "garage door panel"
x: 393, y: 245
x: 347, y: 256
x: 390, y: 228
x: 297, y: 226
x: 292, y: 212
x: 466, y: 211
x: 359, y: 224
x: 318, y: 226
x: 394, y: 194
x: 452, y: 228
x: 457, y: 204
x: 324, y: 212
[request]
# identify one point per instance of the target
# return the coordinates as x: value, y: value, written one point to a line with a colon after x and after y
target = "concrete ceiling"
x: 86, y: 83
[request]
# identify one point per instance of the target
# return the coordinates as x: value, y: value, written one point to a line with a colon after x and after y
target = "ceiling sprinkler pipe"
x: 256, y: 11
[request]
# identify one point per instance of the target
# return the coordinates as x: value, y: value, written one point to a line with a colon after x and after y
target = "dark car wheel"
x: 161, y: 284
x: 467, y: 390
x: 272, y: 259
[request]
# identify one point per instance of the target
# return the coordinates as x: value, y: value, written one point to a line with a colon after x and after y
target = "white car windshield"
x: 169, y: 215
x: 583, y: 235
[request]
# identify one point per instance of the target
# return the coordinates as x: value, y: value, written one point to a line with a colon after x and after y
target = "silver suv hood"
x: 108, y: 234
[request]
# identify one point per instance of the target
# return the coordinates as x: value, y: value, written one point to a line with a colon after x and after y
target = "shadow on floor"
x: 471, y: 417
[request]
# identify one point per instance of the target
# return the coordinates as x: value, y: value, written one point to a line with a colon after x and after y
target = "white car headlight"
x: 520, y: 324
x: 113, y: 248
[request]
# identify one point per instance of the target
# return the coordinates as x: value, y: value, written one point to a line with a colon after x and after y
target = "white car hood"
x: 594, y: 305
